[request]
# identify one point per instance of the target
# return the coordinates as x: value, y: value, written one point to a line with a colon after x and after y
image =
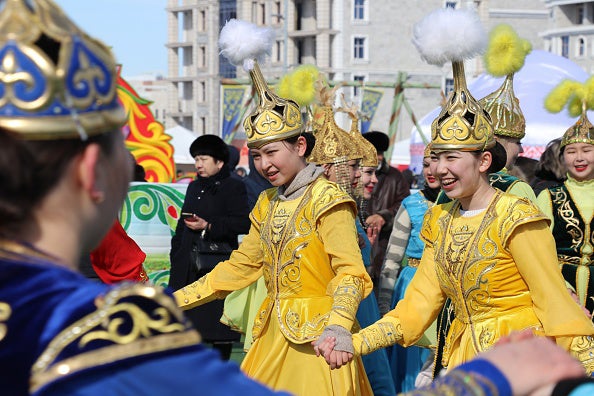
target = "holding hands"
x: 335, y: 345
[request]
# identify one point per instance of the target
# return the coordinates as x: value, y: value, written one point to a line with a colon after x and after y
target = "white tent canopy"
x: 542, y: 71
x: 181, y: 139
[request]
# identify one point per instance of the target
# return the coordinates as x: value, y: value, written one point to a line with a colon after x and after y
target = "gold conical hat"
x: 333, y: 144
x: 462, y: 124
x: 580, y: 132
x: 363, y: 146
x: 427, y: 151
x: 369, y: 152
x: 504, y: 108
x: 274, y: 119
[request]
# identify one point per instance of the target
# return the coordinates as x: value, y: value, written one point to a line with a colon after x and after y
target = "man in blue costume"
x: 64, y: 174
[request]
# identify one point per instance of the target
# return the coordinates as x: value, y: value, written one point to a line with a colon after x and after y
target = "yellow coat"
x: 307, y: 251
x: 499, y: 268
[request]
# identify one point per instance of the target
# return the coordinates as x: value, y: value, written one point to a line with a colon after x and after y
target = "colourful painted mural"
x: 145, y: 137
x: 149, y: 216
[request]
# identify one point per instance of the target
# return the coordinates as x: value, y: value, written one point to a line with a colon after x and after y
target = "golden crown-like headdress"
x: 364, y: 146
x: 462, y: 124
x: 504, y: 108
x: 274, y: 118
x: 55, y: 81
x: 427, y: 150
x: 455, y: 35
x: 579, y: 98
x: 580, y: 132
x: 333, y: 144
x: 505, y: 56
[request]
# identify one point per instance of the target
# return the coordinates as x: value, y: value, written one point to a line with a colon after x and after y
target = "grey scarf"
x: 300, y: 182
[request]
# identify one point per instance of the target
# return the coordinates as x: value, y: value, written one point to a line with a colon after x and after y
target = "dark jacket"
x: 387, y: 196
x: 222, y: 201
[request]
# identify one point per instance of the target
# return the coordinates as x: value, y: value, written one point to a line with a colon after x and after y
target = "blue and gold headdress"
x: 56, y: 82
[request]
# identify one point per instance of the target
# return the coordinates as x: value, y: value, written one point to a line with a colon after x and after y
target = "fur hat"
x: 210, y: 145
x: 380, y: 140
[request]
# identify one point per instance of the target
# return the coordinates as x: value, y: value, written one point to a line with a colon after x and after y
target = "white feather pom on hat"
x: 447, y: 35
x: 243, y: 42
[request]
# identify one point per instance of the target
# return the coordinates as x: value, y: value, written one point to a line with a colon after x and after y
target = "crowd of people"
x: 477, y: 284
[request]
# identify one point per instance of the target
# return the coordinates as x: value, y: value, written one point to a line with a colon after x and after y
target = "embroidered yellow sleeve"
x: 347, y: 297
x: 582, y: 348
x: 195, y: 294
x: 383, y: 333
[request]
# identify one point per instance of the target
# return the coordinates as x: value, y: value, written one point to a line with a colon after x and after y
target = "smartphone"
x: 188, y: 216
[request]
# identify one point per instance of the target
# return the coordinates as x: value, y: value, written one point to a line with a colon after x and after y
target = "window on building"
x: 202, y: 125
x: 450, y: 4
x: 156, y: 114
x: 448, y: 86
x: 580, y: 14
x: 202, y: 91
x: 359, y: 10
x: 202, y: 21
x: 565, y: 46
x: 202, y: 60
x: 254, y: 11
x: 581, y: 47
x: 357, y: 89
x: 359, y: 48
x: 278, y: 48
x: 278, y: 12
x: 227, y: 11
x: 263, y: 14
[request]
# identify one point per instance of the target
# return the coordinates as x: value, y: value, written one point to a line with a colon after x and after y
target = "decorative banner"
x: 145, y: 136
x: 149, y: 216
x: 232, y: 105
x: 369, y: 103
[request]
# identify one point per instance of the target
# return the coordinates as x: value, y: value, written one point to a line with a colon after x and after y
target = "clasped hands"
x: 325, y: 345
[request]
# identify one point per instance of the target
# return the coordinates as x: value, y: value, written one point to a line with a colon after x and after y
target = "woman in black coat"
x: 218, y: 204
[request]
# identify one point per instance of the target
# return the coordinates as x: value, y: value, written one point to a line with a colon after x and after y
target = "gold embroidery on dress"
x: 279, y: 221
x: 287, y: 230
x: 572, y: 224
x: 582, y: 348
x: 347, y: 297
x: 380, y: 335
x: 308, y: 330
x: 5, y: 312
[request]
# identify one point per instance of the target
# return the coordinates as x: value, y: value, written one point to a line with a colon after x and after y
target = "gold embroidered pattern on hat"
x: 55, y: 81
x: 274, y: 119
x: 462, y: 124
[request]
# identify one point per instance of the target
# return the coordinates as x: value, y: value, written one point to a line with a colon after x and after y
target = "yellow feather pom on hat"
x: 579, y: 98
x: 505, y: 55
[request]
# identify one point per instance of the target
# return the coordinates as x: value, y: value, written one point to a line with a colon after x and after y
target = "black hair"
x: 29, y: 170
x: 310, y: 141
x: 498, y: 157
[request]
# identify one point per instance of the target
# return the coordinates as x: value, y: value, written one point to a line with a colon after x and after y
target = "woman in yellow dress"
x: 303, y: 241
x: 490, y: 252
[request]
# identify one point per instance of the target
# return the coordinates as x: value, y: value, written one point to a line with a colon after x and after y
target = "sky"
x: 135, y: 29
